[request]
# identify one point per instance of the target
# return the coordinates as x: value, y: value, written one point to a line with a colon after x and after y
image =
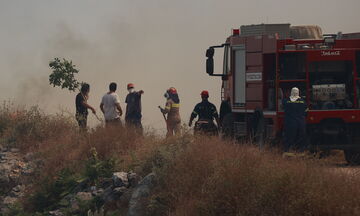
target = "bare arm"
x: 102, y: 108
x: 119, y: 109
x: 88, y: 106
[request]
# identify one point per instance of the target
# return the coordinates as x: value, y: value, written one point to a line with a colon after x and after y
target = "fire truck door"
x: 239, y: 75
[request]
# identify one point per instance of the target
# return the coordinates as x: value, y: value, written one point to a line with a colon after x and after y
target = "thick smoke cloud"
x: 154, y: 44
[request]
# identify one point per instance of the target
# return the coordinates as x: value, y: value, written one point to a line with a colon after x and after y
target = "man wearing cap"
x: 206, y: 112
x: 294, y: 121
x: 133, y: 108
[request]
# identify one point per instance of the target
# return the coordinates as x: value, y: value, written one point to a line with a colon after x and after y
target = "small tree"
x: 63, y: 74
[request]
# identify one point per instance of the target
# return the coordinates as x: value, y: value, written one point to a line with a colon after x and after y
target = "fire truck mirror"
x: 210, y: 66
x: 210, y: 52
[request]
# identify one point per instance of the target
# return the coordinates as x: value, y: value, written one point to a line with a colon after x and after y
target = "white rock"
x: 120, y: 179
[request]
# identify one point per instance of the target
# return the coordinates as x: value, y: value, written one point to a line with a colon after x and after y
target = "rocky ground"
x: 14, y: 171
x: 124, y: 191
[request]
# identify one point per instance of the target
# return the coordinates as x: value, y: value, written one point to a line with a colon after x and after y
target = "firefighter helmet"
x: 172, y: 90
x: 204, y: 94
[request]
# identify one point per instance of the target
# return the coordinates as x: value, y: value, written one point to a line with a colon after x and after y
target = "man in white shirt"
x: 110, y: 106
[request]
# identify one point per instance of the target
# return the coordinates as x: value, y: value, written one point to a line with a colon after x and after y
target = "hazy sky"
x: 152, y: 43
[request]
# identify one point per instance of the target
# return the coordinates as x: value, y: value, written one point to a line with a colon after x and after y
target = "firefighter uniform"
x: 173, y: 120
x: 294, y: 124
x: 206, y: 112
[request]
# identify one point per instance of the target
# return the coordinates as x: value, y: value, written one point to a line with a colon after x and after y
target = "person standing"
x: 82, y: 106
x: 110, y: 106
x: 207, y: 113
x: 133, y: 108
x: 172, y: 108
x: 294, y: 121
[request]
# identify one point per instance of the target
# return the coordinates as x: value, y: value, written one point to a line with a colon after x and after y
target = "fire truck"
x: 262, y: 63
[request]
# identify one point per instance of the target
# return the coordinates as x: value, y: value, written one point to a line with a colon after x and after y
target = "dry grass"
x: 216, y: 178
x: 197, y: 175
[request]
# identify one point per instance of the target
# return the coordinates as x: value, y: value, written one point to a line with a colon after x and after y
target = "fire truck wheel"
x: 352, y: 157
x: 228, y: 126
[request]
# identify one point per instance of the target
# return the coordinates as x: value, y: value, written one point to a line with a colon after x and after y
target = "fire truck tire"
x: 228, y: 126
x: 259, y: 129
x: 352, y: 157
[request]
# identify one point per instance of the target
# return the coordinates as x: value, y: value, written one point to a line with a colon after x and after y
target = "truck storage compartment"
x: 283, y: 30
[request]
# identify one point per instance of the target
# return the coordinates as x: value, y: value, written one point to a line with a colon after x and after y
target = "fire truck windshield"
x: 227, y: 60
x: 331, y: 85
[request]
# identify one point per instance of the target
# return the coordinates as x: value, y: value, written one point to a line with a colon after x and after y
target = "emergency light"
x: 236, y: 32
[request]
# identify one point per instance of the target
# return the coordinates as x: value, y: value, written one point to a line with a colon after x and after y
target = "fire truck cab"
x: 261, y: 65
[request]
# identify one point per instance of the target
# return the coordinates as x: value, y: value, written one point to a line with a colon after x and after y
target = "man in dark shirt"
x: 133, y: 108
x: 207, y: 113
x: 294, y: 121
x: 82, y: 106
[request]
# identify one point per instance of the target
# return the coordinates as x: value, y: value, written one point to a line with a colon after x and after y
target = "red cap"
x: 130, y: 85
x: 172, y: 90
x: 205, y: 93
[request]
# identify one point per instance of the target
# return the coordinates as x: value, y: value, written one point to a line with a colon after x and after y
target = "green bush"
x: 52, y: 191
x: 95, y: 168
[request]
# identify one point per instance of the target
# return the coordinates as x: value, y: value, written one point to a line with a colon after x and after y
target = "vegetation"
x: 196, y: 175
x: 63, y: 74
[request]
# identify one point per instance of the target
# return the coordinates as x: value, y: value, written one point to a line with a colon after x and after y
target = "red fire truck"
x: 261, y: 65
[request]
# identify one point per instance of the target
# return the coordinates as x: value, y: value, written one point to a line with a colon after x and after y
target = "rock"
x: 107, y: 196
x: 120, y: 179
x: 118, y: 191
x: 56, y: 213
x: 9, y: 200
x: 17, y: 191
x: 123, y: 202
x: 79, y: 197
x: 27, y: 170
x: 98, y: 192
x: 12, y: 179
x: 139, y: 195
x: 99, y: 212
x: 14, y: 150
x: 133, y: 179
x: 84, y: 196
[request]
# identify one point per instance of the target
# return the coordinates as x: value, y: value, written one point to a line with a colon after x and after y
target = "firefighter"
x: 133, y: 108
x: 294, y: 122
x: 172, y: 107
x: 206, y: 112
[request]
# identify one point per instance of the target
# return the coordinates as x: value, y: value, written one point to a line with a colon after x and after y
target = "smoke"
x: 153, y: 44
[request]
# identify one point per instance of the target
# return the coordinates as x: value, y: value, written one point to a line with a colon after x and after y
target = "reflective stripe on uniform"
x: 295, y: 102
x: 195, y: 113
x: 174, y: 105
x: 167, y: 107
